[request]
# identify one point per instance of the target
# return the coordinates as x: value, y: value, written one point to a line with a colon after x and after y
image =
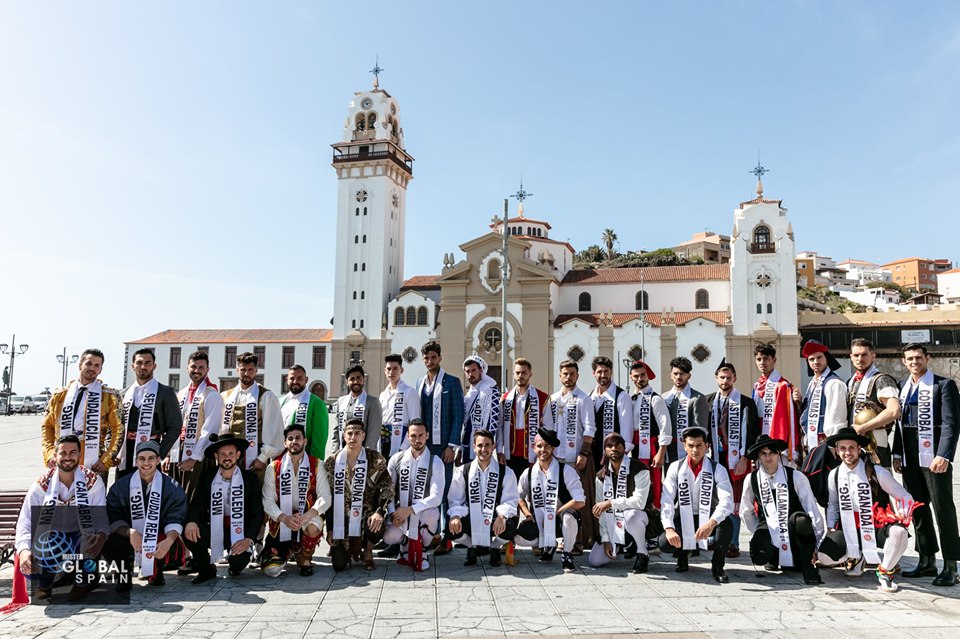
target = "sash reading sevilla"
x: 220, y: 492
x: 358, y: 485
x: 924, y: 416
x: 250, y: 421
x: 775, y: 500
x: 856, y: 503
x: 145, y: 519
x: 614, y: 518
x: 420, y: 467
x: 735, y: 429
x: 644, y: 430
x: 90, y: 420
x: 545, y: 491
x: 685, y: 484
x: 191, y: 425
x: 285, y: 486
x: 482, y: 495
x: 148, y: 404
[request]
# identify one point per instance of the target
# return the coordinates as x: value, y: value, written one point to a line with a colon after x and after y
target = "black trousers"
x: 201, y: 555
x: 518, y: 465
x: 723, y: 532
x: 935, y: 490
x: 803, y: 543
x: 118, y: 549
x: 507, y: 535
x: 834, y: 544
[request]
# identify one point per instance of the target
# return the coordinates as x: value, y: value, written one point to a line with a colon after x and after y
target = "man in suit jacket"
x: 357, y: 404
x: 734, y: 428
x: 923, y: 450
x: 684, y: 412
x: 441, y: 408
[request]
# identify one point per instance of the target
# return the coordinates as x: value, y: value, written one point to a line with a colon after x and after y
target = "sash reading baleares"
x: 191, y: 425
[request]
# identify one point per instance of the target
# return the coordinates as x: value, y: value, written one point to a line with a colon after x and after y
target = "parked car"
x: 40, y: 403
x: 19, y: 404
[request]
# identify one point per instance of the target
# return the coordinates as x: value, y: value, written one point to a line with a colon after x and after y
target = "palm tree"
x: 609, y: 238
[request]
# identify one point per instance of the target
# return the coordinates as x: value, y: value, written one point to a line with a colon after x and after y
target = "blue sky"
x: 161, y: 162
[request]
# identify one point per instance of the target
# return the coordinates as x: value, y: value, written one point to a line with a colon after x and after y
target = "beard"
x: 296, y: 389
x: 295, y: 449
x: 227, y: 464
x: 67, y: 466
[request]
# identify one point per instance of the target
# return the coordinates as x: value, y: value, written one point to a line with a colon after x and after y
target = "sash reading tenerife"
x: 482, y: 495
x: 285, y: 486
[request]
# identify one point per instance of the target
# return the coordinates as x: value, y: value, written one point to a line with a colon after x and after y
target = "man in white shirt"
x: 824, y: 405
x: 252, y: 412
x: 400, y: 404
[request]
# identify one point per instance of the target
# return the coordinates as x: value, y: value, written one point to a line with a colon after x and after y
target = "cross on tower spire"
x: 759, y: 171
x: 520, y: 196
x: 376, y: 71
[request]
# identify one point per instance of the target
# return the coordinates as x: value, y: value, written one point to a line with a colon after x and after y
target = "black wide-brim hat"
x: 765, y: 441
x: 847, y: 433
x: 549, y: 436
x: 218, y: 442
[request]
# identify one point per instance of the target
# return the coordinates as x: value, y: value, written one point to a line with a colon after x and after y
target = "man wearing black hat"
x: 868, y: 510
x: 653, y: 429
x: 624, y: 485
x: 734, y: 427
x: 824, y: 406
x: 295, y: 493
x: 147, y: 511
x: 781, y: 507
x: 551, y: 497
x: 924, y: 446
x: 226, y: 511
x: 697, y: 500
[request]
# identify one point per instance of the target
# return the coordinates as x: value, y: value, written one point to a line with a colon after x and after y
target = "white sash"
x: 571, y: 418
x: 529, y: 422
x: 226, y: 497
x: 79, y: 495
x: 644, y: 429
x: 437, y: 397
x: 865, y: 384
x: 683, y: 417
x: 394, y: 410
x: 251, y: 431
x: 191, y: 424
x: 685, y: 485
x: 608, y: 418
x: 814, y: 423
x: 924, y: 416
x: 89, y: 433
x: 614, y: 517
x: 482, y: 497
x: 545, y: 491
x: 775, y: 500
x: 768, y: 399
x: 296, y: 412
x: 145, y: 518
x: 483, y: 411
x: 357, y: 488
x: 286, y: 490
x: 736, y: 423
x: 413, y: 474
x: 148, y: 405
x: 359, y: 408
x: 856, y: 498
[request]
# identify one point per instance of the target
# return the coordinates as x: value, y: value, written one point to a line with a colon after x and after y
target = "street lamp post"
x: 13, y: 355
x: 65, y: 360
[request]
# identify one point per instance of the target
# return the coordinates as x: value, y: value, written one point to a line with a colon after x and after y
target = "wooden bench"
x: 10, y: 503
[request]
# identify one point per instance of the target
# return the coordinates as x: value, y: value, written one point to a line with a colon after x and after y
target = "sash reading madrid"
x: 358, y: 487
x: 85, y: 425
x: 685, y: 481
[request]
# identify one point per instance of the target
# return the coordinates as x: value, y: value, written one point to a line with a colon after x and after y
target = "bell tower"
x: 373, y: 170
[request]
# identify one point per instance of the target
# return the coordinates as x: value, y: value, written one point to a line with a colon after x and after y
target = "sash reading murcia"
x: 145, y: 519
x: 614, y: 518
x: 413, y: 475
x: 85, y: 425
x: 482, y: 497
x: 775, y: 501
x: 545, y: 491
x: 250, y: 421
x: 856, y: 503
x: 685, y: 485
x: 148, y: 404
x: 358, y: 485
x: 924, y: 416
x: 285, y: 486
x: 226, y: 498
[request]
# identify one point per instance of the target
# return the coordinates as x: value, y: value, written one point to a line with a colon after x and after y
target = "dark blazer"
x: 946, y: 420
x: 199, y: 512
x: 167, y: 419
x: 699, y: 412
x: 747, y: 406
x: 173, y: 503
x: 451, y: 413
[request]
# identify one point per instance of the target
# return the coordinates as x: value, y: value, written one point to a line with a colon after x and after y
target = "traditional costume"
x: 871, y: 390
x: 92, y: 413
x: 309, y: 412
x: 418, y: 483
x: 253, y: 414
x: 150, y: 411
x: 481, y: 408
x: 523, y: 416
x: 201, y: 409
x: 653, y: 429
x: 575, y: 418
x: 399, y: 405
x: 613, y: 413
x: 778, y: 418
x: 363, y: 407
x: 824, y: 406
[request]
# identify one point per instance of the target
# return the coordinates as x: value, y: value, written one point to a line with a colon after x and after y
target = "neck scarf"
x: 437, y: 397
x: 529, y: 422
x: 250, y: 420
x: 88, y: 421
x: 414, y: 476
x: 686, y: 493
x: 358, y: 486
x: 148, y: 405
x: 226, y: 497
x: 775, y: 501
x: 285, y: 485
x: 145, y: 518
x: 192, y: 416
x: 483, y: 410
x: 615, y: 519
x: 924, y: 415
x: 482, y: 489
x: 856, y: 503
x: 736, y: 428
x: 864, y: 379
x: 545, y: 491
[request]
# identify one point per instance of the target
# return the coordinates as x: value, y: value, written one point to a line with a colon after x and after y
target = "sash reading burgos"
x: 685, y: 482
x: 775, y: 499
x: 735, y: 428
x: 683, y: 416
x: 148, y: 404
x: 286, y: 490
x: 529, y: 422
x: 225, y: 497
x: 644, y: 430
x: 615, y: 518
x: 145, y: 519
x: 89, y: 432
x: 924, y: 416
x: 856, y: 500
x: 358, y: 486
x: 251, y: 431
x: 814, y: 425
x: 191, y: 425
x: 482, y: 496
x: 437, y: 398
x: 545, y: 490
x: 420, y: 469
x: 769, y: 397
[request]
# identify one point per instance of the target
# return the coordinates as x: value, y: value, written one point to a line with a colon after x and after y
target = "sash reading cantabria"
x: 685, y: 484
x: 145, y: 519
x: 614, y: 518
x: 89, y: 419
x: 189, y: 433
x: 775, y: 500
x: 148, y: 404
x: 79, y: 495
x: 482, y: 497
x: 286, y: 490
x: 856, y: 501
x: 226, y: 498
x: 924, y: 416
x: 358, y: 485
x: 545, y: 490
x: 250, y: 420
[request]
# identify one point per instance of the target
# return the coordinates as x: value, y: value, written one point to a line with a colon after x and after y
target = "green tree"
x: 609, y: 238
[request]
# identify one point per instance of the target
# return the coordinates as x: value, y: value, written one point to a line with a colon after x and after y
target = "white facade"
x: 948, y: 285
x: 661, y: 296
x: 865, y: 272
x: 878, y: 298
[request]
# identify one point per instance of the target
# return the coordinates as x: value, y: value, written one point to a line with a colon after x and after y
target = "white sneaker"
x: 854, y: 568
x: 886, y: 582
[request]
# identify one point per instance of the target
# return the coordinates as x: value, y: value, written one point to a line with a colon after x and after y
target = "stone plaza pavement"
x: 449, y: 600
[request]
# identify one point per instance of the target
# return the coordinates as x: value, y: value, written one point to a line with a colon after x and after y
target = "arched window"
x: 761, y: 240
x: 642, y: 301
x: 411, y: 316
x: 354, y: 267
x: 354, y: 295
x: 371, y: 121
x: 364, y: 239
x: 422, y: 316
x: 363, y: 267
x: 769, y: 308
x: 759, y: 309
x: 702, y: 299
x: 363, y: 295
x: 493, y: 270
x: 398, y: 317
x: 361, y: 122
x: 356, y: 239
x: 361, y: 323
x: 584, y: 302
x: 364, y: 210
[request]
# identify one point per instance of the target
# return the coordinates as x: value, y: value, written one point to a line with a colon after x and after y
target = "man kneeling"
x: 483, y: 492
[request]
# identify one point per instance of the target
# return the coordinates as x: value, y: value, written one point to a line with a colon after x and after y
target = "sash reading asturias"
x: 145, y: 519
x: 250, y: 426
x: 924, y: 416
x: 225, y: 497
x: 90, y: 420
x: 545, y: 490
x: 735, y: 428
x: 417, y: 470
x: 685, y: 483
x: 191, y: 425
x: 644, y: 430
x: 775, y: 501
x: 615, y: 518
x: 358, y: 486
x: 815, y: 413
x: 482, y: 497
x: 148, y: 404
x: 856, y: 501
x: 286, y: 490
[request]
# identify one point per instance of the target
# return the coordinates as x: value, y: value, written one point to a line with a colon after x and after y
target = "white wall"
x: 688, y: 337
x: 621, y: 298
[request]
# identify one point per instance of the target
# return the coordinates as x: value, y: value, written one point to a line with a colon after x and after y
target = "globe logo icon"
x: 49, y: 548
x: 89, y: 565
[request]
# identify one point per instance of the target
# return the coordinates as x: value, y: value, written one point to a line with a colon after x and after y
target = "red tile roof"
x: 719, y: 318
x: 238, y: 336
x: 420, y: 282
x: 649, y: 274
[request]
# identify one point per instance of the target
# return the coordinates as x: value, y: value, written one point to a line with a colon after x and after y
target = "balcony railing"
x: 763, y: 247
x: 340, y: 158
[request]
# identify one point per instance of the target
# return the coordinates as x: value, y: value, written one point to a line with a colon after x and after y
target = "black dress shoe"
x: 235, y: 572
x: 306, y: 571
x: 471, y: 557
x: 494, y: 557
x: 948, y: 576
x: 546, y: 554
x: 204, y: 576
x: 641, y: 564
x: 720, y: 576
x: 188, y: 568
x: 683, y: 564
x: 926, y: 567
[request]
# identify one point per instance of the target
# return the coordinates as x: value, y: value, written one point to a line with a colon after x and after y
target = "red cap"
x: 640, y: 363
x: 813, y: 346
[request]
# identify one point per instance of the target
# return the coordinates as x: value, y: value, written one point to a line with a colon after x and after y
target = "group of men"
x: 202, y: 474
